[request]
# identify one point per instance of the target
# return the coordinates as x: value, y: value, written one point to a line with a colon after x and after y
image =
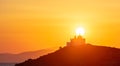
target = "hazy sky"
x: 28, y: 25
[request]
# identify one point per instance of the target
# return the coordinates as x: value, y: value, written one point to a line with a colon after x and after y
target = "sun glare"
x: 80, y: 31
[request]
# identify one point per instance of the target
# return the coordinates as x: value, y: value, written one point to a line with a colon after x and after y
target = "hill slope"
x: 17, y: 58
x: 82, y: 55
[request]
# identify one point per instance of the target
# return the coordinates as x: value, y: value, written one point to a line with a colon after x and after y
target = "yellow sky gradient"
x: 28, y: 25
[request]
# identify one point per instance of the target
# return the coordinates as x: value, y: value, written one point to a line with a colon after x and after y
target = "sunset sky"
x: 28, y: 25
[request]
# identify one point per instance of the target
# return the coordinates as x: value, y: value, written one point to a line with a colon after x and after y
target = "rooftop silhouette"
x: 77, y: 40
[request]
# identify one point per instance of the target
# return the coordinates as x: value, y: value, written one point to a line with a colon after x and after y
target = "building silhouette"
x: 77, y: 40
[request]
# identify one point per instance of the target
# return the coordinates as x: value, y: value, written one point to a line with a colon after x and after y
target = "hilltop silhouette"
x: 78, y: 53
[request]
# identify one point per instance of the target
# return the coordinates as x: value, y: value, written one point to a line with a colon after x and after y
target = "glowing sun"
x: 80, y: 31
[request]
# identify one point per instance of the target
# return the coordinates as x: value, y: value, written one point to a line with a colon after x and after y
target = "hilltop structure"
x: 78, y: 53
x: 83, y: 55
x: 77, y: 40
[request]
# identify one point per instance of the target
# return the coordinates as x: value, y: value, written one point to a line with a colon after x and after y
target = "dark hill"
x: 81, y: 55
x: 20, y: 57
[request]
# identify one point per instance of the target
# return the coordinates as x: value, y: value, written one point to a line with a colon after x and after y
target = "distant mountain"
x: 82, y: 55
x: 17, y: 58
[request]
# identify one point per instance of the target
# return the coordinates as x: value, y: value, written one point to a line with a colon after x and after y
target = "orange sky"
x: 28, y: 25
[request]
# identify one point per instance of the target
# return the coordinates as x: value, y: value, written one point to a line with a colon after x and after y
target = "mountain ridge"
x: 20, y: 57
x: 82, y: 55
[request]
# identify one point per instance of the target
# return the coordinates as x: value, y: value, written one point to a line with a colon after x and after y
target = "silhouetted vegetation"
x: 81, y: 55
